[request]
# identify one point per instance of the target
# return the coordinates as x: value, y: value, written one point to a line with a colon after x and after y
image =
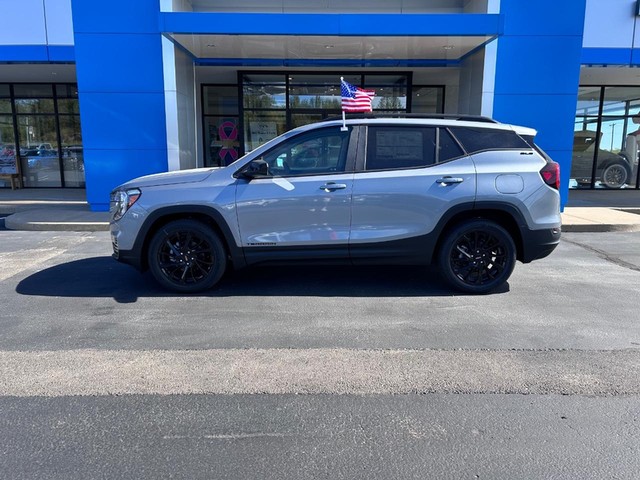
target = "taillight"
x: 550, y: 173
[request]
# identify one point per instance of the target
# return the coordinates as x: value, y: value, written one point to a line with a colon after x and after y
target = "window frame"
x: 347, y: 151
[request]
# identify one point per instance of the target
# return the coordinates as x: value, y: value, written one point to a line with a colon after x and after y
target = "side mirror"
x: 256, y: 168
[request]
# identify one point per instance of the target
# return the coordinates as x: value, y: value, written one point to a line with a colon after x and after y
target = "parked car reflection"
x: 614, y: 170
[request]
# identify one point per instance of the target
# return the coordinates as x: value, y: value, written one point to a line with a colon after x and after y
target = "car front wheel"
x: 186, y: 256
x: 477, y: 256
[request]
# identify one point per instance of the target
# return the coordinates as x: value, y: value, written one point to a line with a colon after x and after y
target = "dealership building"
x: 93, y: 94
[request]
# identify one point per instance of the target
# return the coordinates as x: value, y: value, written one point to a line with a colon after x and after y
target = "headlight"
x: 121, y: 201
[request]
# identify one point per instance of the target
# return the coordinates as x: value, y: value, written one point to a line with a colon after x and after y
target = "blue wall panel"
x: 115, y: 16
x: 544, y: 17
x: 544, y: 73
x: 609, y: 56
x: 120, y: 62
x: 118, y: 49
x: 123, y: 120
x: 331, y: 24
x: 538, y: 73
x: 37, y: 53
x: 109, y: 163
x: 23, y: 53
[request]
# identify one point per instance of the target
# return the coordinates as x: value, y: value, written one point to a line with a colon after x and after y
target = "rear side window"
x: 448, y: 148
x: 400, y: 147
x: 481, y: 139
x: 529, y: 140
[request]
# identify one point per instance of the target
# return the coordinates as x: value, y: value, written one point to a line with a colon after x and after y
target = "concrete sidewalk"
x: 67, y: 210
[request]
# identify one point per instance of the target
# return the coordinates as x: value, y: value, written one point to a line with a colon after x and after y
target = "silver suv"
x: 467, y: 193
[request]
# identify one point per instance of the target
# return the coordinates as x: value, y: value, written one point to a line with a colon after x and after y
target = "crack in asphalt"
x: 604, y: 255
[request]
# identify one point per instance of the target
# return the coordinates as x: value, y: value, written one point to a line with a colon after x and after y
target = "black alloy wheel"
x: 186, y: 256
x: 477, y: 256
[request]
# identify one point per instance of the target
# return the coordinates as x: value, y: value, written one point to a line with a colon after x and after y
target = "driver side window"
x: 314, y: 153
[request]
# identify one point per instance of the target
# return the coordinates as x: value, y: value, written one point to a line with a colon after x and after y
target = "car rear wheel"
x: 477, y: 256
x: 186, y: 256
x: 615, y: 175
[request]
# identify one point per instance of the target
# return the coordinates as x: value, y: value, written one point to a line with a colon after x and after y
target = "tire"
x: 477, y: 256
x: 615, y: 175
x: 186, y: 256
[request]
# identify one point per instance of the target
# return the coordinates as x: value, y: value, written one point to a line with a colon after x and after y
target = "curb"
x: 599, y: 228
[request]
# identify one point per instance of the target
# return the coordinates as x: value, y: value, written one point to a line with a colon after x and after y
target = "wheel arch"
x: 206, y: 215
x: 507, y: 216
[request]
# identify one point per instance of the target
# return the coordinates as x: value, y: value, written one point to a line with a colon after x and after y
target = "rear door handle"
x: 449, y: 180
x: 331, y: 186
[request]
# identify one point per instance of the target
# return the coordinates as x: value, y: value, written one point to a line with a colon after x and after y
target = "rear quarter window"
x: 481, y: 139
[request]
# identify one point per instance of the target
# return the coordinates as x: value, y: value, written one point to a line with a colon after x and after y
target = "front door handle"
x: 449, y: 180
x: 331, y: 186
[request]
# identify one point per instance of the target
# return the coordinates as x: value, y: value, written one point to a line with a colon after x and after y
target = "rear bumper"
x: 538, y: 244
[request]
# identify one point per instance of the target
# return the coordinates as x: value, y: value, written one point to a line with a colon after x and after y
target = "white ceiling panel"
x: 283, y: 47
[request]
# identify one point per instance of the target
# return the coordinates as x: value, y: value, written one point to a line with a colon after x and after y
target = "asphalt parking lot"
x: 309, y: 372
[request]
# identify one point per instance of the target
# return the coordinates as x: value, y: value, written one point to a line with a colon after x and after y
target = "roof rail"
x: 437, y: 116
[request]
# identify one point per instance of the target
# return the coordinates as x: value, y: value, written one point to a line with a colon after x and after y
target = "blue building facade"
x: 108, y: 91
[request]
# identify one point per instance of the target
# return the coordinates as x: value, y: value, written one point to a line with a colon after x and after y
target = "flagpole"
x: 344, y: 118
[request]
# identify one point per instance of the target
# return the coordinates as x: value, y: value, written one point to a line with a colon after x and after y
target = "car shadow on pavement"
x: 104, y: 277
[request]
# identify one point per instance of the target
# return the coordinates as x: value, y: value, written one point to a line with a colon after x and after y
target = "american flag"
x: 355, y: 99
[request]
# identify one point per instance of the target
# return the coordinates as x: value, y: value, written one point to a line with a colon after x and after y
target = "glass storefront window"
x: 7, y: 145
x: 588, y: 101
x: 427, y: 100
x: 621, y: 101
x: 315, y: 97
x: 71, y: 149
x: 49, y: 150
x: 605, y: 147
x: 261, y: 126
x: 5, y: 105
x: 264, y: 96
x: 66, y: 90
x: 68, y: 106
x: 220, y: 100
x: 300, y: 119
x: 25, y: 90
x: 222, y: 141
x: 39, y: 150
x: 390, y: 98
x: 34, y: 105
x: 270, y: 104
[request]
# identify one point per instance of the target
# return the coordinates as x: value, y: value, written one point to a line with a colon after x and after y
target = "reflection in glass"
x: 39, y: 150
x: 616, y: 149
x: 621, y: 101
x: 32, y: 90
x: 72, y: 152
x: 5, y: 105
x: 7, y: 145
x: 34, y: 105
x: 264, y: 96
x: 4, y: 90
x: 300, y: 119
x: 67, y: 90
x: 68, y: 106
x: 588, y: 101
x: 427, y: 100
x: 315, y: 97
x: 220, y: 100
x: 260, y: 127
